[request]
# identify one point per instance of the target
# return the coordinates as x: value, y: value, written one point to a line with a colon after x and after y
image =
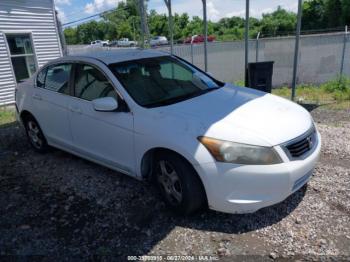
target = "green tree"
x: 158, y: 24
x: 313, y: 16
x: 278, y: 22
x: 333, y: 13
x: 70, y: 35
x: 88, y: 32
x: 194, y: 27
x: 346, y: 12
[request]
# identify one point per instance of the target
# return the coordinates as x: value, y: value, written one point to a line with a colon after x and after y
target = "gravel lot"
x: 60, y: 205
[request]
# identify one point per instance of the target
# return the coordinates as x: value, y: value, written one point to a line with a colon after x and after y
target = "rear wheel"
x: 178, y: 183
x: 35, y: 135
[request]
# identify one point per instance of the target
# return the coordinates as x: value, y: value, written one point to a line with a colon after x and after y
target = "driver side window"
x: 90, y: 83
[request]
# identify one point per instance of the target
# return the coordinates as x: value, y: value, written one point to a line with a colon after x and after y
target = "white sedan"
x: 159, y: 40
x: 154, y: 116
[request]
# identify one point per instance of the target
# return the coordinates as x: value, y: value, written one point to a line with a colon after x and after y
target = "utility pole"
x: 296, y: 50
x: 144, y: 26
x: 171, y: 25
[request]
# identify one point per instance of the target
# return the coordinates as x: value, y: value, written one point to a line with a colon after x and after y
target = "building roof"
x: 120, y: 55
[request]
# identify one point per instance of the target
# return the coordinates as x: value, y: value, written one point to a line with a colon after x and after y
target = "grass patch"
x: 7, y: 116
x: 239, y: 83
x: 344, y: 105
x: 306, y: 93
x: 334, y: 94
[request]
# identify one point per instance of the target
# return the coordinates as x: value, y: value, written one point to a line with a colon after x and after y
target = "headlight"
x: 237, y: 153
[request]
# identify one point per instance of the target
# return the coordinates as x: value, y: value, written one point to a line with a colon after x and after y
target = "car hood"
x: 243, y: 115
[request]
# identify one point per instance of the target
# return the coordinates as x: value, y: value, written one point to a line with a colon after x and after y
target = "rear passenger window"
x: 57, y: 78
x: 91, y: 83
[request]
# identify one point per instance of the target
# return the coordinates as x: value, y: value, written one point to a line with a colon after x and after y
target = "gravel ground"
x: 60, y: 205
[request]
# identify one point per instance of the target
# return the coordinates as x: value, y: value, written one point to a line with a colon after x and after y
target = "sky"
x: 71, y: 10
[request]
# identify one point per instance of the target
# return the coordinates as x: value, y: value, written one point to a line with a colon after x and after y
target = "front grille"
x: 304, y: 144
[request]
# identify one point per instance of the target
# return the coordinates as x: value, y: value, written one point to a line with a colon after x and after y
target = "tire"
x: 179, y: 184
x: 35, y: 135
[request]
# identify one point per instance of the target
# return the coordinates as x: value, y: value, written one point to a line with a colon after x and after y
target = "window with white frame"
x: 22, y: 55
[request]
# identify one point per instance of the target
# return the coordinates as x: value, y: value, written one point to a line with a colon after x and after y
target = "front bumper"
x: 245, y: 189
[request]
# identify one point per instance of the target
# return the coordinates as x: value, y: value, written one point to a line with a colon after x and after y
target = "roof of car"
x: 120, y: 55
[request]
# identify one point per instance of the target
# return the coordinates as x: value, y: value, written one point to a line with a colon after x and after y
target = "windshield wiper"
x: 172, y: 100
x: 209, y: 90
x: 180, y: 98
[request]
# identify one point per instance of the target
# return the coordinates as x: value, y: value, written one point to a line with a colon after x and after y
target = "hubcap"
x: 170, y: 182
x: 34, y: 134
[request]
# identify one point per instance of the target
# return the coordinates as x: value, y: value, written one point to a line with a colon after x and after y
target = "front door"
x: 103, y: 136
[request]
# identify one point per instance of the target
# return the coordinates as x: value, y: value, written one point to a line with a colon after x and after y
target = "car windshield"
x: 161, y: 81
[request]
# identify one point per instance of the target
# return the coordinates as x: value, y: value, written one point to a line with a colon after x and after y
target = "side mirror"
x: 105, y: 104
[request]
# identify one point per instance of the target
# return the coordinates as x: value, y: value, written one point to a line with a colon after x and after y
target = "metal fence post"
x: 296, y: 50
x: 343, y: 53
x: 171, y: 25
x: 205, y: 34
x: 191, y: 52
x: 257, y: 48
x: 141, y: 7
x: 246, y: 39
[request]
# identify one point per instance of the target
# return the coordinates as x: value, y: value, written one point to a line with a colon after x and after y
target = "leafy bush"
x: 341, y: 84
x: 339, y: 88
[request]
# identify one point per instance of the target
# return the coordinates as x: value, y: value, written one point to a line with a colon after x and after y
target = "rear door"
x: 103, y: 136
x: 50, y: 99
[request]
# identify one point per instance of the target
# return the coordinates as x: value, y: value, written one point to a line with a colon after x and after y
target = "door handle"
x: 75, y: 109
x: 37, y: 97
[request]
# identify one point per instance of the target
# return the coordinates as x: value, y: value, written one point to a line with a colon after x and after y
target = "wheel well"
x: 148, y: 160
x: 25, y: 115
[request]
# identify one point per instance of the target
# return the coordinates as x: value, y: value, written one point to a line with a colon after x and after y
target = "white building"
x: 29, y: 38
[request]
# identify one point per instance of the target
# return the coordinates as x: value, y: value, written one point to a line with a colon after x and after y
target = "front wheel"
x: 179, y: 183
x: 35, y: 135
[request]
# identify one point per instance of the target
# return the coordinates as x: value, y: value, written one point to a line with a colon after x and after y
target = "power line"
x: 95, y: 15
x: 82, y: 19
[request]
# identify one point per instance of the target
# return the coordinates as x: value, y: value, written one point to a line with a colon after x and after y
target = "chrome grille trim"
x: 301, y: 146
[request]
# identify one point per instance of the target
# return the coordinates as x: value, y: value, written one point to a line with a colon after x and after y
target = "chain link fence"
x: 320, y: 58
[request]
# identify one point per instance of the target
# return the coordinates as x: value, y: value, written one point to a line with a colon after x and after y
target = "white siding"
x: 27, y: 16
x: 7, y: 79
